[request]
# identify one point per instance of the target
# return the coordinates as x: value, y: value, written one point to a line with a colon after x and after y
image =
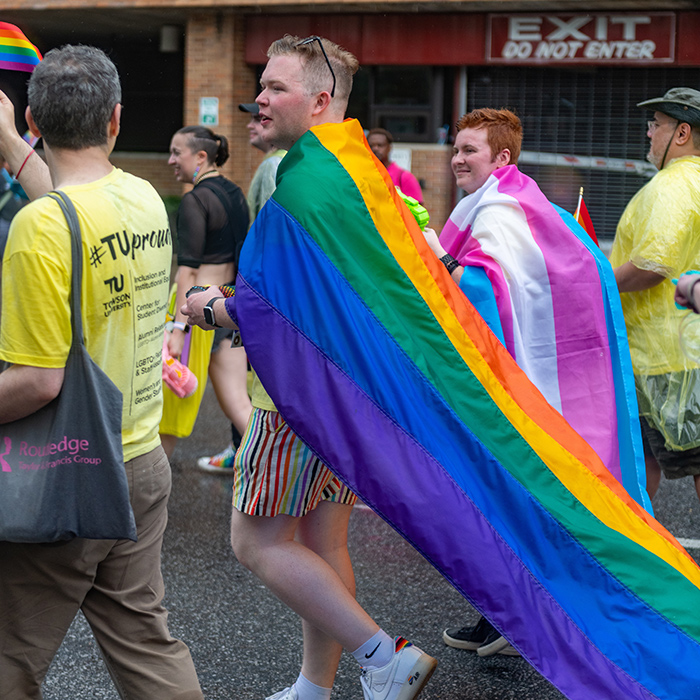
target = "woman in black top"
x: 212, y: 223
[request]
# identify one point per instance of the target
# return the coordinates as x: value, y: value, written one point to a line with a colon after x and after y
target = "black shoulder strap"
x: 71, y: 215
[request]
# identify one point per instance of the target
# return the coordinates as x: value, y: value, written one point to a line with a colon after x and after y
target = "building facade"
x: 573, y: 76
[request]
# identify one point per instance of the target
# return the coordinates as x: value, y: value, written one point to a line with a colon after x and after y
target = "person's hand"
x: 192, y: 308
x: 433, y: 241
x: 176, y: 343
x: 8, y: 130
x: 682, y: 296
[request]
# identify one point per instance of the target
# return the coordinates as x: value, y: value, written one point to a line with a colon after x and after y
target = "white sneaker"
x: 286, y: 694
x: 402, y: 678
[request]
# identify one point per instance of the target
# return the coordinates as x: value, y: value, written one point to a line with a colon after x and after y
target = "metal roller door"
x: 584, y: 112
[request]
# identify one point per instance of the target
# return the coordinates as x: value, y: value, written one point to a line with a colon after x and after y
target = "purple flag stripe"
x: 497, y: 577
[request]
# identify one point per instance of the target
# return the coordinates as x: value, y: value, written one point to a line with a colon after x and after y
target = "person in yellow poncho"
x: 657, y: 239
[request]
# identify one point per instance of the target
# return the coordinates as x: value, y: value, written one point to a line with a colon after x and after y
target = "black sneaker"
x: 495, y: 643
x: 469, y: 637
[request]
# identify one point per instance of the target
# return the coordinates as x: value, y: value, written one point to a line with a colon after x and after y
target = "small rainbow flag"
x: 16, y: 51
x: 583, y: 217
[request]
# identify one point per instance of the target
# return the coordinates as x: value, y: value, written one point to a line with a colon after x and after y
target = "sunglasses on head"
x: 310, y: 40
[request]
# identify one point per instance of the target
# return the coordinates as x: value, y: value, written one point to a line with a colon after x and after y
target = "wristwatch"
x: 208, y: 312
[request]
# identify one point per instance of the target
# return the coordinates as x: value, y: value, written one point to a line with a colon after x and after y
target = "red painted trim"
x: 688, y: 31
x: 433, y: 39
x: 424, y: 39
x: 416, y: 39
x: 262, y: 30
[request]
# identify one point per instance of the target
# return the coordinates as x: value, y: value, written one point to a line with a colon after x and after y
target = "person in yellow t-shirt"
x: 74, y: 104
x: 657, y: 239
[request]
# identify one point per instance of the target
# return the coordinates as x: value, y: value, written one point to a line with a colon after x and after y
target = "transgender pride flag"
x: 16, y: 52
x: 383, y: 367
x: 559, y: 311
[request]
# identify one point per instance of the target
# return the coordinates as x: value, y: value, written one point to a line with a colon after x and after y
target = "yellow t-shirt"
x: 259, y: 397
x: 660, y: 231
x: 127, y: 253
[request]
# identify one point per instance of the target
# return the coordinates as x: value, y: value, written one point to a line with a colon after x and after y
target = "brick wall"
x: 215, y: 67
x: 150, y: 166
x: 430, y: 163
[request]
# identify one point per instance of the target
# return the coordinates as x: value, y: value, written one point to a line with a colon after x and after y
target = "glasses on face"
x: 653, y: 125
x: 310, y: 40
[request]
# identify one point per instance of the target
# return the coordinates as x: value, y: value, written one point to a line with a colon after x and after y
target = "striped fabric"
x: 380, y: 364
x: 275, y: 472
x: 16, y: 52
x: 559, y: 311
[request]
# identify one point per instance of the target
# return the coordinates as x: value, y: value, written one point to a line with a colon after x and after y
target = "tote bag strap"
x: 71, y: 215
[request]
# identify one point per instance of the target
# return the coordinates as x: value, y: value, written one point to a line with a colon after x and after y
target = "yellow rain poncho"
x: 660, y: 231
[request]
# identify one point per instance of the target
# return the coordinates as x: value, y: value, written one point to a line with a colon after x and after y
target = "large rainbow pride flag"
x: 384, y: 368
x: 16, y: 51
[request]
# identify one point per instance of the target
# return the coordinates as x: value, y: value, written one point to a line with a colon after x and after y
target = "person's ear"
x: 503, y: 158
x: 115, y: 121
x: 30, y: 123
x: 323, y: 100
x: 684, y: 133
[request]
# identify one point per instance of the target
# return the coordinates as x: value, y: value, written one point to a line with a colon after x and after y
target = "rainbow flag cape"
x: 384, y: 368
x: 16, y: 51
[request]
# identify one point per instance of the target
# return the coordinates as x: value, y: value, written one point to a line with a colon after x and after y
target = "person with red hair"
x: 520, y: 259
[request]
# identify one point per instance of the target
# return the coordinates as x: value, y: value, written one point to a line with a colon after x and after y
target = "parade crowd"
x: 290, y: 514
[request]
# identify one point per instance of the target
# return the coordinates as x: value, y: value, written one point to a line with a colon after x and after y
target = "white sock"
x: 310, y: 691
x: 376, y: 652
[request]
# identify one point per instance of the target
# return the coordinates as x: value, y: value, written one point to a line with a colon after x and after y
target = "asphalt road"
x: 246, y: 644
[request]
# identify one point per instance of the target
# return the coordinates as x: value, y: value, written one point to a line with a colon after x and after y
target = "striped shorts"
x: 276, y: 473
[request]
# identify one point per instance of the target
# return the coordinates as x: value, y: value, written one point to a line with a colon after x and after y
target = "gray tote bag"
x: 62, y: 468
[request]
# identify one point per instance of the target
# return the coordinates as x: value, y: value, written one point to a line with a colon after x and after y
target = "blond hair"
x: 317, y: 76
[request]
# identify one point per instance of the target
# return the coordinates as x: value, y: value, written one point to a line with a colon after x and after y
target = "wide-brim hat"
x: 250, y: 107
x: 678, y: 103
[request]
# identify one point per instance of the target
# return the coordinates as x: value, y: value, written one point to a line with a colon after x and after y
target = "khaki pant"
x: 119, y: 587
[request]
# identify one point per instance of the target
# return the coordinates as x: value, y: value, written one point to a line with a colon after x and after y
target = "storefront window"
x: 406, y: 100
x: 406, y: 86
x: 152, y: 79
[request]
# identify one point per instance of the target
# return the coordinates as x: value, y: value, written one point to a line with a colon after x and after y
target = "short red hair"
x: 503, y: 128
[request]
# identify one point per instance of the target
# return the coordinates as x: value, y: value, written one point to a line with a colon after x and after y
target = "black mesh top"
x: 212, y: 222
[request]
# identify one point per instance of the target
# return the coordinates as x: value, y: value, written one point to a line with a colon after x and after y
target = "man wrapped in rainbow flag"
x: 382, y: 366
